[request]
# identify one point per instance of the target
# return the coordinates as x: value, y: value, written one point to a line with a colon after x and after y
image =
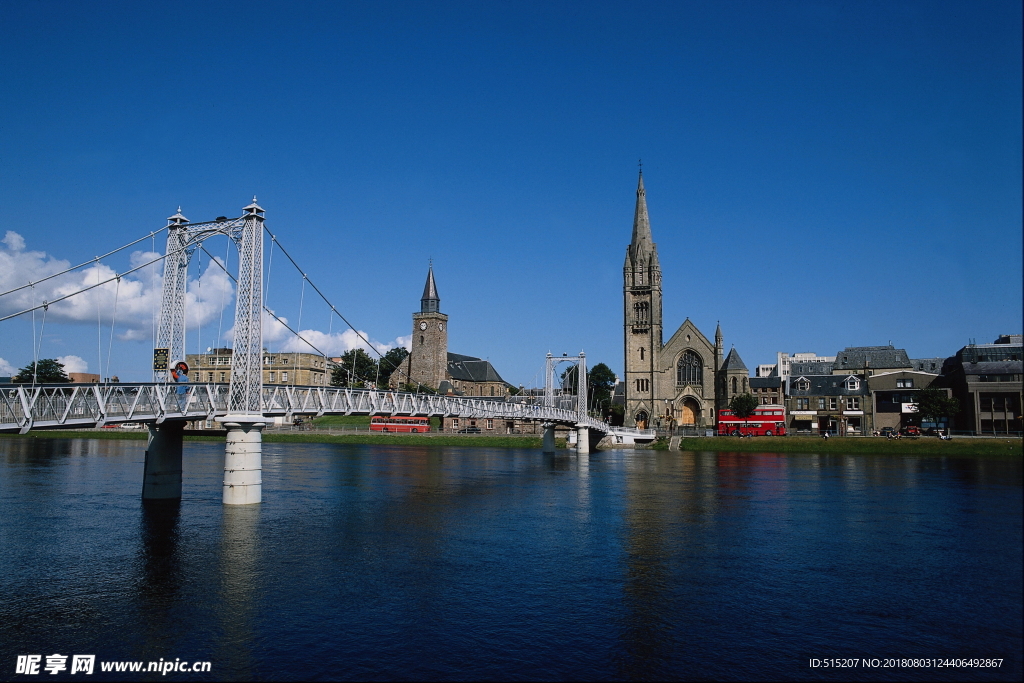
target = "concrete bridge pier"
x: 243, y: 459
x: 582, y: 440
x: 161, y: 479
x: 549, y: 438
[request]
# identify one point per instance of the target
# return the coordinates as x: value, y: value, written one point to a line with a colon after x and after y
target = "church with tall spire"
x: 680, y: 382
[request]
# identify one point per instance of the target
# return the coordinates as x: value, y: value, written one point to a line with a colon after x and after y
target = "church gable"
x: 688, y: 337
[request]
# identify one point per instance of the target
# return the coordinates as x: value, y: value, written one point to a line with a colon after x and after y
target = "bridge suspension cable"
x: 117, y: 276
x: 97, y: 259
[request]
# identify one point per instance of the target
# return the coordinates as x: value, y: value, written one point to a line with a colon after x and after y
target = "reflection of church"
x: 681, y: 382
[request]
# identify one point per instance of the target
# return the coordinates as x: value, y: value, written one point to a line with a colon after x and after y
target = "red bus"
x: 385, y: 423
x: 766, y: 420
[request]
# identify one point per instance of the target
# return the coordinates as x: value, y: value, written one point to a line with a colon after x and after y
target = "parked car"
x: 911, y: 431
x: 470, y: 430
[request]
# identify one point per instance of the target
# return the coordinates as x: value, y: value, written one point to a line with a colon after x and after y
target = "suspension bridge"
x: 244, y: 405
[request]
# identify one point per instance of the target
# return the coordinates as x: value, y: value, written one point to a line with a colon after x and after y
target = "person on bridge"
x: 179, y: 373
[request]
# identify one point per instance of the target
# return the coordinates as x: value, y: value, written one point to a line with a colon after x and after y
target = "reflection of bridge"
x: 243, y: 405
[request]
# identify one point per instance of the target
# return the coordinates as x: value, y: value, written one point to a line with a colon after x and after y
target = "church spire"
x: 430, y: 302
x: 642, y: 240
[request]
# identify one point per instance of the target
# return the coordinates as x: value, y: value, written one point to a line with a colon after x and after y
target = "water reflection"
x: 237, y: 597
x: 455, y: 563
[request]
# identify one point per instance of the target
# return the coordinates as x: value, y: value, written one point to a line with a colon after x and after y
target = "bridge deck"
x: 23, y: 408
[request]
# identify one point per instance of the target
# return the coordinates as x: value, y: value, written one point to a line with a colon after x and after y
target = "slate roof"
x: 734, y: 362
x: 430, y: 288
x: 997, y: 367
x: 856, y: 358
x: 471, y: 369
x: 810, y: 368
x: 765, y: 382
x: 826, y: 385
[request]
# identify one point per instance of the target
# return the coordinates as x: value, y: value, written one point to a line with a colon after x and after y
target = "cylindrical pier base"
x: 243, y: 460
x: 549, y: 438
x: 161, y: 479
x: 582, y: 439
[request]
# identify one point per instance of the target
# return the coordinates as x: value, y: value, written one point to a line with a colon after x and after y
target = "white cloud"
x: 6, y: 369
x: 73, y: 363
x: 14, y: 241
x: 277, y: 337
x: 137, y: 296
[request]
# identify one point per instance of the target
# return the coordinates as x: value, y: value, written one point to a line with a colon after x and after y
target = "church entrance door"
x: 689, y: 412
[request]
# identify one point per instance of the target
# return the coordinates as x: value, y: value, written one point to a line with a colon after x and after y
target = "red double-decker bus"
x: 386, y: 423
x: 766, y: 420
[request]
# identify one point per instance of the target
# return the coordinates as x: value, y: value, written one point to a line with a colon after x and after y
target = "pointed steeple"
x: 718, y: 335
x: 430, y: 302
x: 642, y: 241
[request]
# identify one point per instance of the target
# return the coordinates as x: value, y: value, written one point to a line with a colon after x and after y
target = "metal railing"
x: 23, y: 407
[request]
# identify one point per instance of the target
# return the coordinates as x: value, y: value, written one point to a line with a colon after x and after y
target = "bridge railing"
x: 24, y: 407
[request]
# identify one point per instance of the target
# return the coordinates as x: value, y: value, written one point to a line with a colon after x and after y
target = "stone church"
x: 431, y: 364
x: 679, y: 383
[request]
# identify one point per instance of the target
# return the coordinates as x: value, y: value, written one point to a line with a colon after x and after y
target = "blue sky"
x: 819, y: 174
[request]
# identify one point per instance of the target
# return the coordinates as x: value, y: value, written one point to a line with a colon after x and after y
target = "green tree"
x: 933, y: 404
x: 600, y: 381
x: 743, y: 405
x: 355, y: 369
x: 47, y: 371
x: 391, y: 361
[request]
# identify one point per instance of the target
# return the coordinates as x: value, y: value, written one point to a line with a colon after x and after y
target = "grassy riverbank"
x: 471, y: 440
x: 960, y: 447
x: 965, y: 447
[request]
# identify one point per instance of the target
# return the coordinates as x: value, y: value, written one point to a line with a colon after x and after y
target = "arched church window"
x: 734, y: 385
x: 641, y: 353
x: 744, y: 384
x: 640, y: 310
x: 640, y: 275
x: 690, y: 369
x: 421, y: 339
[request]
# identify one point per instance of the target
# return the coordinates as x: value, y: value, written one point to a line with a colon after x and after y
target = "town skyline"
x: 817, y: 178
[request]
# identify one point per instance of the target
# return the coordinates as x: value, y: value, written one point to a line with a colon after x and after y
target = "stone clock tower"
x: 428, y: 356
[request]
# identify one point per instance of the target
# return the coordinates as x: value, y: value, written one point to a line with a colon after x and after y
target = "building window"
x: 421, y: 339
x: 833, y: 404
x: 803, y: 404
x: 209, y: 377
x: 272, y: 376
x: 223, y: 377
x: 904, y: 384
x: 821, y: 404
x: 455, y: 423
x: 492, y: 394
x: 641, y: 353
x: 640, y: 311
x: 490, y: 423
x: 853, y: 403
x: 734, y: 385
x: 690, y: 369
x: 284, y: 376
x: 643, y: 385
x: 853, y: 384
x: 803, y: 385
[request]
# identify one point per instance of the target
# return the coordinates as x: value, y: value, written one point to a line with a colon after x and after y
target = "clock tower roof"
x: 430, y: 302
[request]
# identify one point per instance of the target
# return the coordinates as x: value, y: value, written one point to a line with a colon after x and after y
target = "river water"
x: 370, y: 562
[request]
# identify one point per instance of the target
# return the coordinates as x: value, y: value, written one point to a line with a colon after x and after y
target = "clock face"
x: 440, y: 326
x: 423, y: 325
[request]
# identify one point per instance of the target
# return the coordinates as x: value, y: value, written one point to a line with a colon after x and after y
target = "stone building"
x: 431, y: 364
x: 987, y: 380
x: 768, y: 390
x: 894, y: 398
x: 677, y: 382
x: 837, y: 404
x: 279, y: 368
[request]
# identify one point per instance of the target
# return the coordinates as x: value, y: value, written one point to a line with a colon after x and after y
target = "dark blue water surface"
x: 369, y: 562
